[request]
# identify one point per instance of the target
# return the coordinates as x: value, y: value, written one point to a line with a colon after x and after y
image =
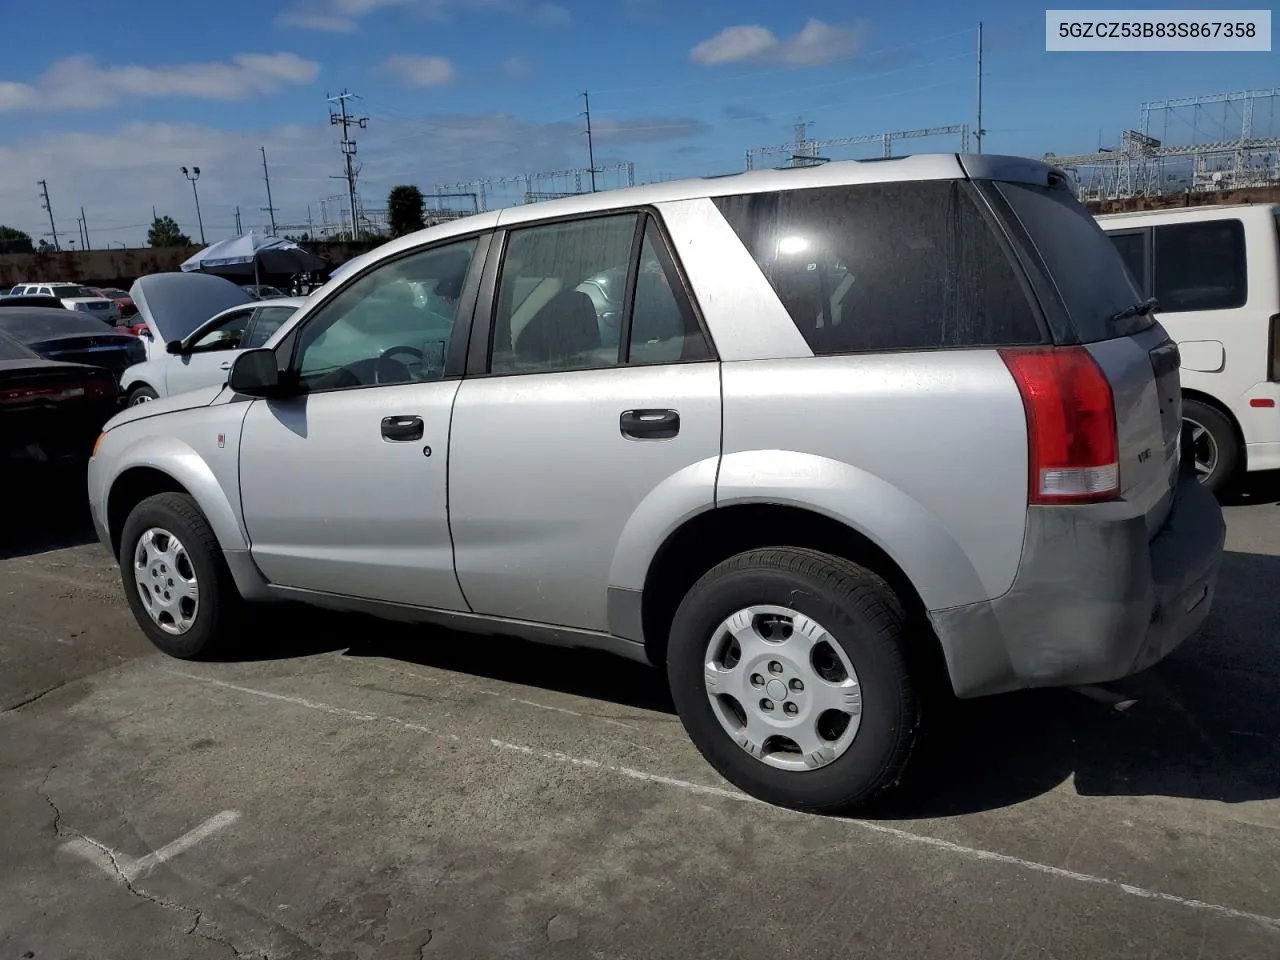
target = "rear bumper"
x: 1093, y: 600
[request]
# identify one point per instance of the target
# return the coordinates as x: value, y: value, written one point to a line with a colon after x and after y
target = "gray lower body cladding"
x: 1093, y: 600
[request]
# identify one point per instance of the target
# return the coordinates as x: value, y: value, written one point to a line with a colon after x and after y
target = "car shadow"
x: 1200, y: 725
x: 44, y: 510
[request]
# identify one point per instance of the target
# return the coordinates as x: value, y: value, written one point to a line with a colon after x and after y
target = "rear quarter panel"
x: 923, y: 453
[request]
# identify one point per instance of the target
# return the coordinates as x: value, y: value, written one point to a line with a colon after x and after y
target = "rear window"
x: 69, y: 290
x: 11, y: 349
x: 1200, y: 266
x: 1083, y: 265
x: 893, y: 266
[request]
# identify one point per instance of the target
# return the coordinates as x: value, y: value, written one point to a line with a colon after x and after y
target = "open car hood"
x: 174, y: 304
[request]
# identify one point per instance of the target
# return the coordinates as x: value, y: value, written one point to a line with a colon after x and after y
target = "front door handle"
x: 225, y: 365
x: 402, y: 429
x: 649, y: 424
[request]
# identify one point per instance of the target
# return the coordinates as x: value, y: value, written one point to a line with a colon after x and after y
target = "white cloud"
x: 342, y: 16
x: 420, y: 71
x: 119, y: 175
x: 79, y: 82
x: 817, y: 43
x: 514, y: 67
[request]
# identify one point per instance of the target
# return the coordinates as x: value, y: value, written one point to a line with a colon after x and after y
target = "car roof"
x: 931, y: 166
x: 1206, y: 211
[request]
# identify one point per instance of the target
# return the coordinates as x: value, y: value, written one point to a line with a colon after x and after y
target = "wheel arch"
x: 714, y: 535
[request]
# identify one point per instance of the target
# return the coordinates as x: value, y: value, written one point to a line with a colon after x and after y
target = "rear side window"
x: 1200, y: 266
x: 1082, y: 263
x: 895, y: 266
x: 1132, y: 248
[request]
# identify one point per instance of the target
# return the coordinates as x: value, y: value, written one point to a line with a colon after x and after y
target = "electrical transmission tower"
x: 53, y: 231
x: 348, y: 146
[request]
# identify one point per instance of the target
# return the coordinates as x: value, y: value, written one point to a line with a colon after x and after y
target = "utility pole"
x: 267, y: 176
x: 311, y: 227
x: 977, y: 134
x: 591, y: 153
x: 53, y: 231
x: 85, y: 224
x: 348, y: 147
x: 238, y: 231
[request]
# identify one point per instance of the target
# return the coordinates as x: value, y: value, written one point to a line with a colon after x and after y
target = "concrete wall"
x: 119, y: 268
x: 1248, y: 195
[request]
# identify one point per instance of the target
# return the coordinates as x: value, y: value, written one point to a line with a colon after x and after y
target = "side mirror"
x: 174, y: 347
x: 255, y: 374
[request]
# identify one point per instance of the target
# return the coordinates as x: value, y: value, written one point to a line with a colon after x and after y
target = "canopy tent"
x: 252, y: 254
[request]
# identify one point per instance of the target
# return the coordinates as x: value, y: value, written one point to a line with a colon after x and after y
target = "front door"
x: 343, y: 486
x: 580, y: 420
x: 209, y: 354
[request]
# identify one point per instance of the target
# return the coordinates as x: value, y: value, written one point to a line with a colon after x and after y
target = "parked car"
x: 125, y: 306
x: 71, y: 337
x: 21, y: 300
x: 73, y: 297
x: 204, y: 356
x: 171, y: 305
x: 50, y: 412
x: 1215, y: 273
x: 865, y: 421
x: 260, y: 291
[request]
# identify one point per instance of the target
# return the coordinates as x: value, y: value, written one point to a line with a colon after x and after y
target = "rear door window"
x: 891, y: 266
x: 1200, y: 266
x: 1080, y: 263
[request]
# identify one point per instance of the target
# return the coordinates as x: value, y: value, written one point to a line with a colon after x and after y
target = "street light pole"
x: 193, y: 175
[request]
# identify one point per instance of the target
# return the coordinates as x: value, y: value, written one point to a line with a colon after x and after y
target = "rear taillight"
x: 1071, y: 425
x: 101, y: 389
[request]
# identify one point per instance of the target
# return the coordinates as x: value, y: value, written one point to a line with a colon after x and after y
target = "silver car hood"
x: 190, y: 400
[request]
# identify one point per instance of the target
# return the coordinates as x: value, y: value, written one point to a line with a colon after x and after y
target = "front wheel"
x: 787, y: 668
x: 142, y: 394
x: 176, y: 579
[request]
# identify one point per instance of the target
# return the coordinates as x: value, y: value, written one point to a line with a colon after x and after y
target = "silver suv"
x: 859, y: 425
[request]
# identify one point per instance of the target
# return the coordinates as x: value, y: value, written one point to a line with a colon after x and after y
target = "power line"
x: 348, y: 147
x: 268, y: 208
x: 49, y: 207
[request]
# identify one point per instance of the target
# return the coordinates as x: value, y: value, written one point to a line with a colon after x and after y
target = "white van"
x: 1215, y: 271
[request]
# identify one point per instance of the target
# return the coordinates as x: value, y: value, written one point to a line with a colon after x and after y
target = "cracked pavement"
x: 402, y: 794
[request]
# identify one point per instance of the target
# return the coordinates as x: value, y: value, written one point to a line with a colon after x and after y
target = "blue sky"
x: 460, y: 89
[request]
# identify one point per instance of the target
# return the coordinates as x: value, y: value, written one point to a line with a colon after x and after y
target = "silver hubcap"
x: 166, y: 581
x: 782, y: 688
x: 142, y: 398
x: 1204, y: 448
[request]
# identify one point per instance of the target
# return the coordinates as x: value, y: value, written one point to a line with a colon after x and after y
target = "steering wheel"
x: 385, y: 363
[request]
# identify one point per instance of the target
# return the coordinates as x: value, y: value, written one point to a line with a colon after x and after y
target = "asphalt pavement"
x: 346, y: 788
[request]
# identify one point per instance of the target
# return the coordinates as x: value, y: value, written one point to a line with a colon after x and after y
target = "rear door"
x: 570, y: 421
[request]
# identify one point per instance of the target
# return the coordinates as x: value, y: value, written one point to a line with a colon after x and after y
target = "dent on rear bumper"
x: 1093, y: 600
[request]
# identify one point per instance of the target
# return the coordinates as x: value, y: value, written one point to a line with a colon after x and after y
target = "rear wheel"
x: 142, y: 394
x: 1213, y: 443
x: 787, y: 668
x: 176, y: 579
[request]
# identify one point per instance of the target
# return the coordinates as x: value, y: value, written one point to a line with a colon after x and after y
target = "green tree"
x: 164, y: 232
x: 44, y: 246
x: 405, y: 210
x: 13, y: 240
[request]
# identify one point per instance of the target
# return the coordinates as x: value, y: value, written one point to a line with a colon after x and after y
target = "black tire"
x: 862, y: 613
x: 1223, y: 436
x: 142, y: 394
x: 219, y: 605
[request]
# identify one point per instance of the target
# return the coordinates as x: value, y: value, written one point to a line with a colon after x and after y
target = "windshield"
x: 11, y: 349
x: 1083, y: 264
x: 71, y: 290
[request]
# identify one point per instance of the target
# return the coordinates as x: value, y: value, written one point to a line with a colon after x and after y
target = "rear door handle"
x: 402, y: 429
x: 649, y: 424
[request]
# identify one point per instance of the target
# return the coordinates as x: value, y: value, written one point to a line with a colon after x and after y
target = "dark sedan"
x: 50, y: 413
x: 72, y: 337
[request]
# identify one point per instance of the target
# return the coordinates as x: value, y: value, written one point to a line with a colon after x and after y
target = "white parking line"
x: 687, y: 786
x: 126, y: 869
